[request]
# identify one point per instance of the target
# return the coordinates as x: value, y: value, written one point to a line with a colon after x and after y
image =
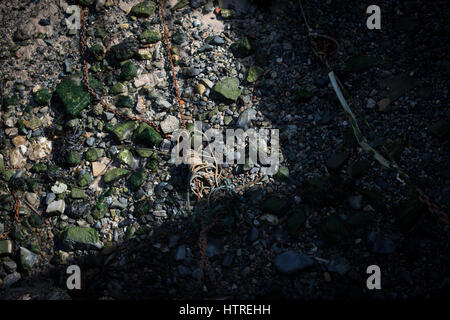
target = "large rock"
x: 228, y: 89
x: 291, y: 262
x: 80, y: 238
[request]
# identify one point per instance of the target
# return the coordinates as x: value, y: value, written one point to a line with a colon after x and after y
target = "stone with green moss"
x: 100, y: 209
x: 227, y: 13
x: 93, y: 154
x: 242, y: 48
x: 228, y: 89
x: 123, y: 51
x: 128, y: 71
x: 144, y: 9
x: 39, y: 168
x: 137, y: 179
x: 73, y: 158
x: 283, y: 173
x: 144, y: 152
x: 125, y: 101
x: 98, y: 51
x: 84, y: 179
x: 254, y: 72
x: 303, y: 96
x: 180, y: 4
x: 115, y: 174
x: 149, y: 36
x: 147, y: 135
x: 295, y: 221
x: 80, y: 238
x: 118, y: 88
x: 74, y: 95
x: 10, y: 101
x: 42, y: 97
x: 77, y: 193
x: 125, y: 157
x: 124, y: 130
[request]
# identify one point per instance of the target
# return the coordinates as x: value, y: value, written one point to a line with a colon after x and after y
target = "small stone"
x: 170, y: 124
x: 137, y: 179
x: 339, y: 265
x: 355, y: 202
x: 6, y: 247
x: 291, y: 262
x: 200, y: 88
x: 77, y: 193
x: 97, y: 168
x: 180, y: 254
x: 56, y: 206
x: 383, y: 104
x: 27, y: 258
x: 59, y: 187
x: 254, y: 72
x: 125, y: 101
x: 149, y: 36
x: 73, y: 158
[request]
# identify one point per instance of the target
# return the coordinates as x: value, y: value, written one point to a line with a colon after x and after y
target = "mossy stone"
x: 42, y: 97
x: 147, y: 135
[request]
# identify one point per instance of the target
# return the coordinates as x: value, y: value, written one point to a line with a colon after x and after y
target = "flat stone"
x: 144, y: 9
x: 115, y: 174
x: 228, y: 88
x: 80, y: 237
x: 98, y: 168
x: 291, y: 262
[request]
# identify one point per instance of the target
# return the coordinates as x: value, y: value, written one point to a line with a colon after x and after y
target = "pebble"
x: 56, y: 206
x: 291, y: 262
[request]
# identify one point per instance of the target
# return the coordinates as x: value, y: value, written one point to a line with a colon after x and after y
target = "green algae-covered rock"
x: 93, y: 154
x: 124, y: 130
x: 74, y: 95
x: 124, y: 50
x: 228, y: 88
x: 147, y: 135
x: 137, y: 179
x: 80, y: 238
x: 242, y: 48
x: 98, y: 51
x: 149, y: 36
x: 125, y: 157
x: 254, y: 72
x: 115, y: 174
x: 125, y: 101
x: 42, y: 97
x: 128, y: 71
x: 144, y: 9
